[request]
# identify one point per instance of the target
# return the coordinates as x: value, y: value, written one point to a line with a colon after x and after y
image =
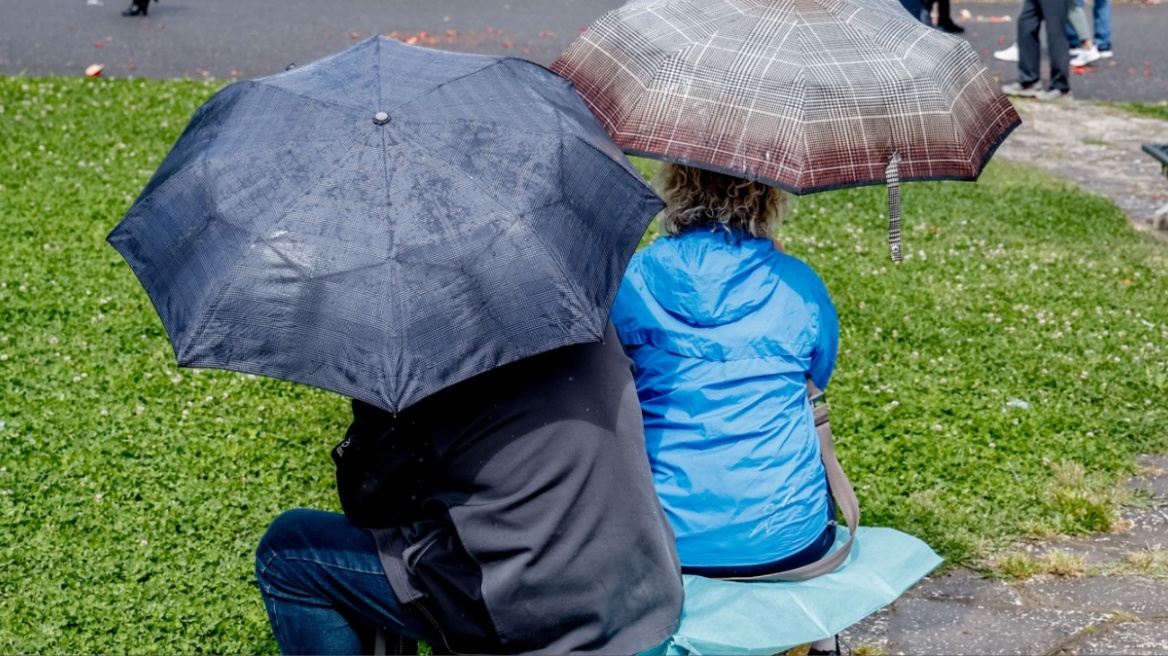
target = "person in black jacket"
x: 511, y: 513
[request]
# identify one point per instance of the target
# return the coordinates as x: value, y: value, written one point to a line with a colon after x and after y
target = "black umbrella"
x: 386, y: 222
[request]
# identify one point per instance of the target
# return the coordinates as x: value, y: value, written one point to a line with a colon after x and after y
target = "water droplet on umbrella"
x: 380, y: 118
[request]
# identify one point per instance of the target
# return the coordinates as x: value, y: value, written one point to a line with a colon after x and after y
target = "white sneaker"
x: 1106, y: 53
x: 1009, y: 54
x: 1086, y: 56
x: 1075, y: 52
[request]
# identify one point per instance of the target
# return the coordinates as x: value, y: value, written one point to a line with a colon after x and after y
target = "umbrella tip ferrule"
x: 380, y: 118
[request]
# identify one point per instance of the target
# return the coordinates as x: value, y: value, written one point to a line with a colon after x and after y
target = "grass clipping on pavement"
x: 993, y: 386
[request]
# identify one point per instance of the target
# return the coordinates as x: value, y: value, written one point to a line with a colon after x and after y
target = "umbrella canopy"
x: 805, y: 95
x: 386, y: 222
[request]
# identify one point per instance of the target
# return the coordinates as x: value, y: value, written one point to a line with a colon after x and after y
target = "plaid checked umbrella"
x: 805, y: 95
x: 386, y: 222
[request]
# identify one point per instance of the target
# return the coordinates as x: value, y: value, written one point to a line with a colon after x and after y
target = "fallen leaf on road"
x: 547, y: 33
x: 99, y: 45
x: 354, y: 35
x: 94, y: 70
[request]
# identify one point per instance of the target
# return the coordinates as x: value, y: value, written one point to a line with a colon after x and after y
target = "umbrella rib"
x: 398, y: 368
x: 505, y: 210
x: 445, y: 83
x: 303, y: 96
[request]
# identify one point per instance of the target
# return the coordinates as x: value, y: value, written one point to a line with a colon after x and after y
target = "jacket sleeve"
x: 383, y: 472
x: 823, y: 355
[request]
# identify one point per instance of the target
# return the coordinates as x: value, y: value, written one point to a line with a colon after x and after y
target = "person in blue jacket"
x: 724, y: 329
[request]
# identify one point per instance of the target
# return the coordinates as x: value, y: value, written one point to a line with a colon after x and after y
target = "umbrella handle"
x: 892, y: 177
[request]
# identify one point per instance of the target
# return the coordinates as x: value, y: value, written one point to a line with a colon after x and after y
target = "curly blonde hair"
x: 696, y: 197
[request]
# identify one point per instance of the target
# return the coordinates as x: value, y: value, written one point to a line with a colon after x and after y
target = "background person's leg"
x: 1029, y: 55
x: 1102, y: 14
x: 914, y: 8
x: 1076, y: 19
x: 324, y: 587
x: 1056, y: 43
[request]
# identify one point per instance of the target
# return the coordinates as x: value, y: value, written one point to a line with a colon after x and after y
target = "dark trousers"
x: 913, y: 7
x: 1054, y: 14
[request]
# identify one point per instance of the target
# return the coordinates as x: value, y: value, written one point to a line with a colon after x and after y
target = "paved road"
x: 228, y: 39
x: 251, y: 38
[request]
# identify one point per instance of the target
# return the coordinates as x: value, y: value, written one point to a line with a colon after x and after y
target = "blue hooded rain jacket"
x: 724, y: 329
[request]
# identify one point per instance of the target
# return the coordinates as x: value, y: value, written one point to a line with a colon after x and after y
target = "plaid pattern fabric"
x: 387, y: 222
x: 807, y: 95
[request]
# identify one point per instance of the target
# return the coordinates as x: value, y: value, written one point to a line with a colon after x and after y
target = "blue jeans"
x: 324, y: 587
x: 1101, y: 14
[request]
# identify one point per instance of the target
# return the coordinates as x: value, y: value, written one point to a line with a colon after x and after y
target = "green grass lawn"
x: 991, y: 387
x: 1154, y: 110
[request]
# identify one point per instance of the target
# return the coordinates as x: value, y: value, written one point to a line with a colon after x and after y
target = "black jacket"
x: 524, y: 514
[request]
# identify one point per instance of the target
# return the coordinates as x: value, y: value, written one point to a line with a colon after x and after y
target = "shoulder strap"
x: 841, y: 490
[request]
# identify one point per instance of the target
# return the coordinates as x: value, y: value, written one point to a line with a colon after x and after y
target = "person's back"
x: 542, y: 473
x: 724, y: 330
x: 522, y: 516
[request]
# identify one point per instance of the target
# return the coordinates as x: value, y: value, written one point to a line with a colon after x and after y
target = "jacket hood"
x: 730, y: 275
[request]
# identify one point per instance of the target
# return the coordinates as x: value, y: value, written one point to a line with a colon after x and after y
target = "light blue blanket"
x: 728, y: 617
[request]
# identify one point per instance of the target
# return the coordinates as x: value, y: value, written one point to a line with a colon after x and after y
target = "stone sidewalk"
x: 1107, y: 611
